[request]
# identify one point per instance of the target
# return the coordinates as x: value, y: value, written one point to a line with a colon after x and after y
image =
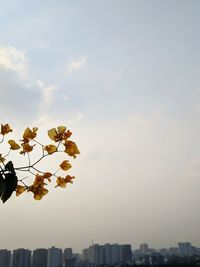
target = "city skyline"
x: 56, y: 257
x: 134, y: 248
x: 98, y: 255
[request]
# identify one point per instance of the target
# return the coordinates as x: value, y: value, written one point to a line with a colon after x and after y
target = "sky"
x: 123, y: 76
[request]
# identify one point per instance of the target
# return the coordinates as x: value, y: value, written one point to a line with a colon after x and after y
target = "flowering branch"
x: 9, y: 181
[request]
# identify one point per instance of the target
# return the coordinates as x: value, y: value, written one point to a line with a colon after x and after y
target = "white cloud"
x: 12, y: 58
x: 76, y: 64
x: 46, y: 96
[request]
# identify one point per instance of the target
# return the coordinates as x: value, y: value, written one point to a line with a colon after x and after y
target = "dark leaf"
x: 9, y: 167
x: 2, y: 185
x: 11, y: 184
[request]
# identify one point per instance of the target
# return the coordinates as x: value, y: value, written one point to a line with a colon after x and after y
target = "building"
x: 186, y: 249
x: 67, y: 255
x: 21, y: 258
x: 114, y: 254
x: 107, y: 254
x: 70, y: 263
x: 121, y: 253
x: 85, y: 254
x: 101, y: 255
x: 5, y: 258
x: 156, y: 259
x: 54, y: 257
x: 126, y: 253
x: 76, y: 256
x: 144, y: 248
x: 174, y: 251
x: 39, y: 258
x: 93, y: 254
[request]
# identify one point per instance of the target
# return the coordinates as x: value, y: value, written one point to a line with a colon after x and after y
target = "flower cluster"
x: 9, y: 181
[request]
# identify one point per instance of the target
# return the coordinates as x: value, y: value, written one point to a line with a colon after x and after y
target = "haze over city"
x: 124, y: 77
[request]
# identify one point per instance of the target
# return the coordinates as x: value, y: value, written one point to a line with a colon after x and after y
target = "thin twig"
x: 7, y: 153
x: 2, y: 139
x: 26, y: 186
x: 37, y: 170
x: 29, y: 160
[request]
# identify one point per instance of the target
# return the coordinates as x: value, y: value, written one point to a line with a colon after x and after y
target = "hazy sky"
x: 124, y: 77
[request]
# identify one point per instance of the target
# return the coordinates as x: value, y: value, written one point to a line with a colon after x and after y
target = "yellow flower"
x: 29, y: 134
x: 26, y: 148
x: 39, y: 179
x: 63, y: 181
x: 67, y: 135
x: 19, y: 190
x: 37, y: 188
x: 40, y: 193
x: 65, y: 165
x: 13, y: 145
x: 5, y: 129
x: 47, y: 176
x: 71, y: 148
x: 2, y: 159
x: 50, y: 149
x: 59, y: 134
x: 69, y: 178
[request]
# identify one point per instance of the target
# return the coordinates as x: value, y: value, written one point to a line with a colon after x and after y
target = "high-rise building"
x: 5, y: 258
x: 114, y: 254
x: 85, y: 254
x: 186, y: 249
x: 107, y: 254
x: 39, y: 258
x: 101, y: 255
x: 67, y: 255
x: 21, y: 258
x: 127, y: 253
x: 54, y: 257
x: 120, y: 251
x: 93, y: 254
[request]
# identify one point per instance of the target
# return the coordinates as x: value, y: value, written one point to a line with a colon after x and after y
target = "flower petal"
x: 13, y: 145
x: 71, y: 148
x: 5, y: 129
x: 28, y: 134
x: 50, y: 149
x: 19, y: 190
x: 61, y: 129
x: 61, y: 182
x: 52, y: 134
x: 65, y: 165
